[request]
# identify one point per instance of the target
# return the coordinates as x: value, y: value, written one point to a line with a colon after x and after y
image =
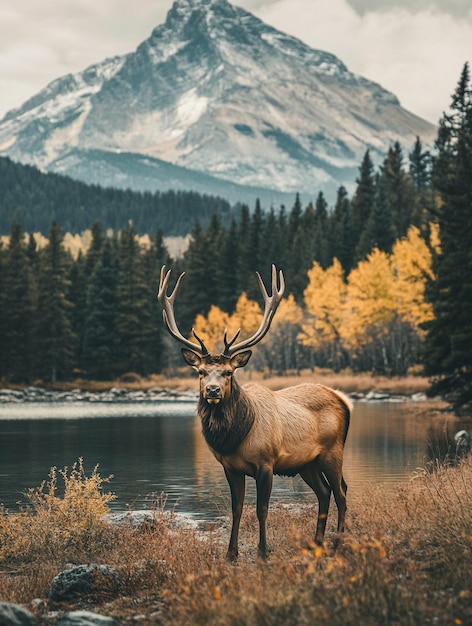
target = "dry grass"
x: 406, y: 558
x: 185, y: 379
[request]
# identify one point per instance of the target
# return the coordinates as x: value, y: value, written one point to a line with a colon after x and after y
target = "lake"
x: 157, y: 447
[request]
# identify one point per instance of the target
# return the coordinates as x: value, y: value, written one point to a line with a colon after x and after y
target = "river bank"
x: 134, y: 388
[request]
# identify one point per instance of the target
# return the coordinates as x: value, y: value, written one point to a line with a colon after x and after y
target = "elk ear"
x: 241, y: 359
x: 191, y: 357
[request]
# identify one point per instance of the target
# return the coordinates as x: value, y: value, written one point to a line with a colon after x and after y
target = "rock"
x: 377, y: 395
x: 357, y: 395
x: 419, y: 397
x: 84, y: 618
x: 84, y: 580
x: 15, y: 615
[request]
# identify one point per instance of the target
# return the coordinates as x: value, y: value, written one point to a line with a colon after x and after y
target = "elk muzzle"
x: 213, y: 394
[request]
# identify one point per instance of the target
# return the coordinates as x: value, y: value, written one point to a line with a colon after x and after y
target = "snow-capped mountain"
x: 214, y: 98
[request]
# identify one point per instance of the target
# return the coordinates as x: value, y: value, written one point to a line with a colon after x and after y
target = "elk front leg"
x: 237, y: 485
x: 264, y: 480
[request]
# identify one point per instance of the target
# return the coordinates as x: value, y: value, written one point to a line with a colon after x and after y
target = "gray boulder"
x: 15, y: 615
x: 84, y: 580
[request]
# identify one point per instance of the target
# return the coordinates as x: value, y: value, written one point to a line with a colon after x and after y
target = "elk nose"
x: 213, y: 391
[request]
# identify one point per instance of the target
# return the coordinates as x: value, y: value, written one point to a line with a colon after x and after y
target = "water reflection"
x: 157, y: 447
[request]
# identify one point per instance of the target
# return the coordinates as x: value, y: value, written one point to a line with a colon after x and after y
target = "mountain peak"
x: 181, y: 9
x: 216, y: 91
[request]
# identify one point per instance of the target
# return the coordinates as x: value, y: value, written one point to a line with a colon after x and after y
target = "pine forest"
x: 376, y: 282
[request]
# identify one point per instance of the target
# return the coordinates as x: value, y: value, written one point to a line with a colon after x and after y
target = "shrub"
x: 56, y: 525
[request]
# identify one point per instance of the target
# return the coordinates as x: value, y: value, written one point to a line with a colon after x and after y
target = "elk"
x: 254, y: 431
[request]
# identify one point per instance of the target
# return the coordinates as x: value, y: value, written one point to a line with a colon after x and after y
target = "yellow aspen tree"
x: 324, y: 299
x: 370, y: 299
x: 411, y: 262
x: 288, y: 313
x: 247, y: 316
x: 212, y: 327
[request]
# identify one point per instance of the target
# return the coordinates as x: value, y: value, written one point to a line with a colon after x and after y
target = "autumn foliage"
x: 371, y: 320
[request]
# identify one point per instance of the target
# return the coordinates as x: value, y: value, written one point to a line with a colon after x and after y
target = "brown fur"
x: 256, y: 432
x: 253, y: 431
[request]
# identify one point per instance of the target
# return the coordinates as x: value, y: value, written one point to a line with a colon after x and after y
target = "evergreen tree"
x: 228, y: 294
x: 420, y: 166
x: 77, y: 295
x: 257, y: 262
x: 196, y: 288
x: 95, y: 251
x: 420, y: 173
x: 342, y: 231
x: 379, y: 231
x: 18, y: 314
x: 244, y: 262
x: 100, y: 341
x: 448, y: 349
x: 363, y: 199
x: 55, y: 340
x: 133, y: 316
x: 322, y: 243
x: 272, y: 242
x: 399, y: 190
x: 154, y: 259
x: 295, y: 274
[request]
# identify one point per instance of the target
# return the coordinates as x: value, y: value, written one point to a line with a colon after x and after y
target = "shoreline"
x: 126, y: 395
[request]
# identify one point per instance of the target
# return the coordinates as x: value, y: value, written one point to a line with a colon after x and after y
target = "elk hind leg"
x: 313, y: 477
x: 331, y: 466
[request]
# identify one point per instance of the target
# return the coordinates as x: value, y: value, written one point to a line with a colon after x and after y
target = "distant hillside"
x: 35, y: 199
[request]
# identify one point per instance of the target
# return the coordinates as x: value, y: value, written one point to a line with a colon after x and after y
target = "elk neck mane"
x: 226, y: 425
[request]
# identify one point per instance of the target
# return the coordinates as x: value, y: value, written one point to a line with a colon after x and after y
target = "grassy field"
x: 406, y: 558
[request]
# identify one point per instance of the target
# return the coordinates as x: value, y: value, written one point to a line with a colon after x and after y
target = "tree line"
x: 97, y: 315
x: 36, y: 199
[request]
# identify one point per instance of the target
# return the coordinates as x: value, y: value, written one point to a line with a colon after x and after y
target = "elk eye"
x: 228, y: 372
x: 202, y: 372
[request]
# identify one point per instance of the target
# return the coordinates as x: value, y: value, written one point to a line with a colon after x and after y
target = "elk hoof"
x: 231, y: 556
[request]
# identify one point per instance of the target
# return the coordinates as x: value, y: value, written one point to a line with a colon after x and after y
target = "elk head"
x: 216, y: 370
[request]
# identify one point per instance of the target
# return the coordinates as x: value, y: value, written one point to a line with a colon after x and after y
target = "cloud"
x: 40, y: 42
x: 417, y: 53
x: 418, y: 56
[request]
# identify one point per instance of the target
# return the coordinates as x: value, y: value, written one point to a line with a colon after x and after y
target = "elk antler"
x: 167, y: 303
x: 271, y: 304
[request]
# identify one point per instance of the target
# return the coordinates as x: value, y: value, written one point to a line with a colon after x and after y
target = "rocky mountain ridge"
x: 221, y: 98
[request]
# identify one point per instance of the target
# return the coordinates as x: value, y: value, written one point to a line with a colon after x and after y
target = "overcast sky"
x: 414, y: 48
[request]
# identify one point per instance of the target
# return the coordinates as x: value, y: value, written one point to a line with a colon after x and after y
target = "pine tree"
x: 18, y: 314
x: 227, y: 290
x: 399, y: 190
x: 342, y: 231
x: 448, y: 349
x: 420, y: 166
x: 322, y: 243
x: 420, y: 173
x: 363, y: 199
x: 194, y: 295
x: 95, y: 250
x: 295, y: 274
x: 55, y: 340
x: 154, y: 259
x: 100, y: 341
x: 133, y: 317
x: 379, y: 231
